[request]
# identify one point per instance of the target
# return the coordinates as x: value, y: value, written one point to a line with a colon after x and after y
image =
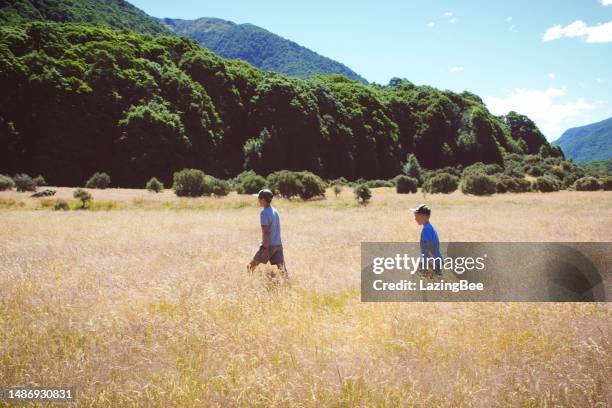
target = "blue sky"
x: 551, y: 60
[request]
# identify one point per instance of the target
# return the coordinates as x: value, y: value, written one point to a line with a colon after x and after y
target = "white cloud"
x: 509, y: 19
x: 552, y: 75
x: 578, y: 29
x: 606, y: 2
x: 543, y: 107
x: 431, y: 24
x: 450, y: 17
x: 457, y: 69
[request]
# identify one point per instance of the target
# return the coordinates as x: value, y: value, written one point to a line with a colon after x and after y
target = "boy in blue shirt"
x: 430, y: 243
x: 271, y: 246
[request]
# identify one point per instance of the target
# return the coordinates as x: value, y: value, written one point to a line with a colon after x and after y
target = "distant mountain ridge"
x: 259, y: 47
x: 589, y: 142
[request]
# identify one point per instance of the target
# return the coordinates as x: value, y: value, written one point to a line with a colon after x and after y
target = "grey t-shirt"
x: 269, y: 216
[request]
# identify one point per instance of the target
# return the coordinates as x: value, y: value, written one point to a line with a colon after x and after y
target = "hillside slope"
x: 117, y: 14
x: 588, y: 143
x: 79, y: 98
x: 259, y: 47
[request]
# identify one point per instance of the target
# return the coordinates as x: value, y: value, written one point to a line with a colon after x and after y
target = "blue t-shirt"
x: 269, y: 216
x: 429, y: 237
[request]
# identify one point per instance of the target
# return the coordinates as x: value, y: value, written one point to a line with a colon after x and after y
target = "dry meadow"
x: 144, y: 300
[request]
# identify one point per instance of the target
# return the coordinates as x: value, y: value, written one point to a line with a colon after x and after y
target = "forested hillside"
x: 118, y: 14
x: 589, y: 142
x: 258, y: 47
x: 77, y: 99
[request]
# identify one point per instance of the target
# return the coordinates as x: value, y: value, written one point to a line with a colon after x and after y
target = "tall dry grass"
x: 150, y: 305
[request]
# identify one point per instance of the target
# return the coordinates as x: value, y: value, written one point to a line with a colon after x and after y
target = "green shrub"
x: 98, y: 180
x: 23, y: 182
x: 220, y: 187
x: 40, y: 181
x: 534, y: 170
x: 587, y: 184
x: 6, y: 183
x: 406, y: 184
x: 155, y: 185
x: 285, y: 183
x: 190, y: 183
x: 339, y: 181
x: 289, y: 184
x: 606, y: 183
x: 379, y: 183
x: 337, y: 189
x: 194, y: 183
x: 441, y: 183
x: 455, y: 171
x: 312, y: 186
x: 61, y: 205
x: 481, y: 168
x: 478, y: 184
x: 509, y: 184
x: 547, y: 184
x: 82, y: 195
x: 362, y: 193
x: 250, y: 184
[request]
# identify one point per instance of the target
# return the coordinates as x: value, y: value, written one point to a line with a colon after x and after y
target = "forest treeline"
x: 77, y: 99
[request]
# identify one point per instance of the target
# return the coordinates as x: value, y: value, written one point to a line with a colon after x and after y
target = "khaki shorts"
x: 276, y: 255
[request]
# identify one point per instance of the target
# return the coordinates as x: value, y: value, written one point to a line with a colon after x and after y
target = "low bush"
x: 606, y: 183
x: 98, y: 180
x: 406, y: 184
x: 481, y: 168
x: 220, y: 187
x: 250, y: 184
x: 313, y: 186
x: 82, y: 195
x: 478, y: 184
x: 40, y: 181
x: 339, y: 181
x: 194, y: 183
x: 337, y: 189
x: 23, y: 182
x: 587, y: 184
x: 379, y: 183
x: 6, y: 183
x: 441, y: 183
x: 362, y: 193
x: 534, y: 170
x: 154, y: 185
x: 290, y: 184
x: 509, y: 184
x: 61, y: 205
x: 547, y: 184
x: 190, y: 183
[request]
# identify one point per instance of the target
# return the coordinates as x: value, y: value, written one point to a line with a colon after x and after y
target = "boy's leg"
x: 258, y: 258
x: 277, y: 258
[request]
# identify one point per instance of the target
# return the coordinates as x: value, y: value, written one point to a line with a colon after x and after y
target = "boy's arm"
x: 265, y: 236
x: 429, y: 248
x: 427, y: 243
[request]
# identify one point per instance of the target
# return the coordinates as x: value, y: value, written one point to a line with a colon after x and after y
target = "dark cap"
x: 421, y: 209
x: 265, y: 194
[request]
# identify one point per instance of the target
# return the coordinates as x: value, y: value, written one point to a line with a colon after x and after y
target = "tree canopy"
x: 79, y: 99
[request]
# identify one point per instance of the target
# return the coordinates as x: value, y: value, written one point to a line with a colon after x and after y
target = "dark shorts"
x: 276, y: 255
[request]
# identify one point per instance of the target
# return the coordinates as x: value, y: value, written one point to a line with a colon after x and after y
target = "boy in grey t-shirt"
x: 271, y: 246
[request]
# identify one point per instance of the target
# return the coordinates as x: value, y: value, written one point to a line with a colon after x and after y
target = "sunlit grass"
x: 145, y: 301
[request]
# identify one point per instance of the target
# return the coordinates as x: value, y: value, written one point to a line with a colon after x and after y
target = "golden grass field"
x: 145, y: 301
